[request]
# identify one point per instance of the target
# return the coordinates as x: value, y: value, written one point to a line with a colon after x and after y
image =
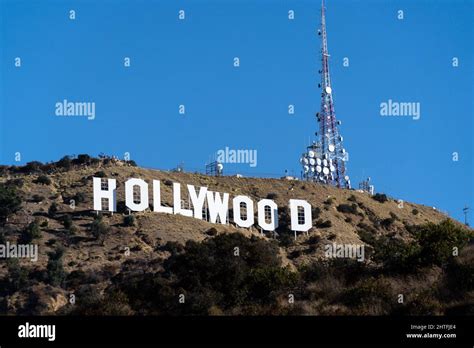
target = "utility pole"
x: 466, y: 210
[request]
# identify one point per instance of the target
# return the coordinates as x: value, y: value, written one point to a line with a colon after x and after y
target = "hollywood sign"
x: 217, y: 204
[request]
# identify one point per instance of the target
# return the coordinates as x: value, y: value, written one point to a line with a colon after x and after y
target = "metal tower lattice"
x: 325, y: 160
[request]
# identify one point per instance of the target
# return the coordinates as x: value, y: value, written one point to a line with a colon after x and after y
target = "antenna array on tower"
x: 325, y: 160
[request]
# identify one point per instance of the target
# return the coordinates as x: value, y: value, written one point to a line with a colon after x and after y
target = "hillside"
x: 120, y: 245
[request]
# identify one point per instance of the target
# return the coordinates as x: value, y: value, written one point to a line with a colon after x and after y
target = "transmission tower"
x: 325, y: 160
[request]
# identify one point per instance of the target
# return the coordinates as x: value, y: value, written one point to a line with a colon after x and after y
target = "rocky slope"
x: 141, y: 241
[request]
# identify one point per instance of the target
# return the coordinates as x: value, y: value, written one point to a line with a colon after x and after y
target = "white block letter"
x: 177, y: 201
x: 250, y: 212
x: 108, y: 194
x: 157, y: 207
x: 217, y: 206
x: 273, y: 224
x: 129, y: 201
x: 308, y: 221
x: 197, y: 200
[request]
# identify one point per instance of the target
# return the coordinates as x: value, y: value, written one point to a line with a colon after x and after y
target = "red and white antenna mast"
x: 324, y: 160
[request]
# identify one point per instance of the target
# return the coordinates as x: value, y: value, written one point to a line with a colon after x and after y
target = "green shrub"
x: 295, y: 254
x: 370, y: 292
x: 367, y: 228
x: 129, y: 220
x: 17, y: 276
x: 100, y: 174
x: 19, y: 182
x: 352, y: 198
x: 332, y: 236
x: 415, y: 211
x: 266, y: 283
x: 82, y: 159
x: 69, y: 224
x: 313, y: 240
x: 10, y: 202
x: 55, y: 269
x: 323, y: 224
x: 31, y: 232
x: 32, y: 167
x: 433, y: 245
x: 113, y: 303
x: 37, y: 198
x: 380, y: 197
x: 396, y: 255
x: 437, y: 241
x: 52, y: 210
x: 43, y: 180
x: 72, y: 230
x: 314, y: 271
x: 460, y: 277
x: 367, y: 237
x: 386, y: 223
x: 172, y: 247
x: 64, y: 162
x: 211, y: 232
x: 422, y: 303
x: 79, y: 197
x: 67, y: 221
x: 315, y: 212
x: 329, y: 201
x: 272, y: 195
x: 212, y: 266
x: 98, y: 227
x: 213, y: 279
x: 346, y: 208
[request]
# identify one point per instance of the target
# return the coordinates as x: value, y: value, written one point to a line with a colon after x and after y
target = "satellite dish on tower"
x: 329, y: 146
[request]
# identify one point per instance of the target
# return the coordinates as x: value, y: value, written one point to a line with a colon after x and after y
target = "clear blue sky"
x: 190, y: 62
